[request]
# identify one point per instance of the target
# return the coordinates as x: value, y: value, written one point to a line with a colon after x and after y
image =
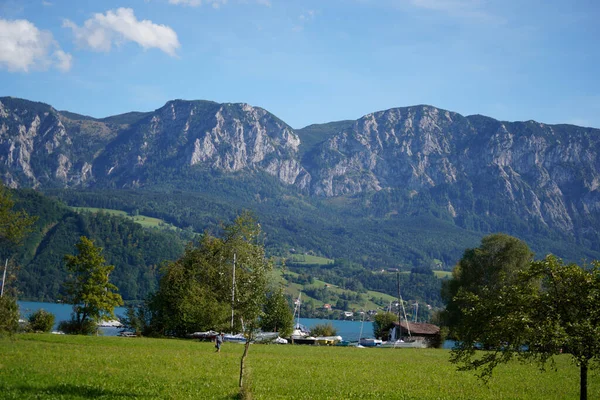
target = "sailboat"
x: 396, y: 340
x: 366, y: 342
x: 300, y: 334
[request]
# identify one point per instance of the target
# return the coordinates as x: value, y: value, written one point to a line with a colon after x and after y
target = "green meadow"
x: 144, y: 220
x: 43, y: 366
x: 442, y: 274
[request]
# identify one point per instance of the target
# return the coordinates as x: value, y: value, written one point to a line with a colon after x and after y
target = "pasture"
x: 44, y: 366
x: 144, y: 220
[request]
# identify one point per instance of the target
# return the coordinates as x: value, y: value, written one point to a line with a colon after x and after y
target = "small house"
x: 416, y: 330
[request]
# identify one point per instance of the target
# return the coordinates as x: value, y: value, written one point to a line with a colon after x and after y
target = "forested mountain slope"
x: 137, y: 253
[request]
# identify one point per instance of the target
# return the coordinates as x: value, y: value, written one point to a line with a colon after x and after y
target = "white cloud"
x: 119, y: 26
x: 216, y: 3
x: 24, y: 47
x: 196, y: 3
x: 63, y: 60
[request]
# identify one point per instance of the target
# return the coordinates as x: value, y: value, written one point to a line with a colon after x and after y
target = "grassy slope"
x: 294, y: 289
x: 442, y: 274
x: 144, y: 220
x: 48, y: 367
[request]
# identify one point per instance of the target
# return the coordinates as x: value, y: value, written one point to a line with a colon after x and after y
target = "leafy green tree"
x: 9, y: 315
x: 483, y: 274
x: 278, y: 316
x: 382, y: 323
x: 199, y: 292
x: 88, y: 287
x: 14, y: 225
x: 565, y: 314
x: 540, y: 310
x: 245, y: 240
x: 194, y: 292
x: 137, y: 319
x: 41, y: 321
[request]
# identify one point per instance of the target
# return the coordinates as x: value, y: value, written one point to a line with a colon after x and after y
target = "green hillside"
x: 135, y: 251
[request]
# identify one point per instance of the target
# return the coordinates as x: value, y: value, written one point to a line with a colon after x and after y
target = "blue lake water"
x: 62, y: 312
x: 349, y: 330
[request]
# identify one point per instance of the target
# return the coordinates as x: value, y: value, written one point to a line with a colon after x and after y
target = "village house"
x: 418, y: 330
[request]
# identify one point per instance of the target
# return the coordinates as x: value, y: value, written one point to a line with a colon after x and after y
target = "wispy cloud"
x: 303, y: 19
x: 197, y: 3
x: 217, y: 3
x: 119, y: 26
x: 579, y: 122
x: 24, y: 47
x: 473, y: 9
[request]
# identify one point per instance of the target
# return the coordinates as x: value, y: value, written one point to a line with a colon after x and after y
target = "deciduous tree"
x: 199, y: 292
x: 278, y: 316
x: 14, y: 225
x: 88, y: 287
x: 482, y: 274
x: 523, y: 310
x: 382, y: 323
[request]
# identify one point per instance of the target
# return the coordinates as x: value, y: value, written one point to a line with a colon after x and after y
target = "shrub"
x: 41, y: 321
x: 9, y: 315
x: 73, y: 327
x: 383, y: 322
x: 323, y: 330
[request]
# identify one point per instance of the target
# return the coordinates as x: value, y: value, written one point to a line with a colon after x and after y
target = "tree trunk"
x: 583, y: 372
x: 243, y: 361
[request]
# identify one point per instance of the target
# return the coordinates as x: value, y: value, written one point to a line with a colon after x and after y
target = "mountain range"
x: 473, y: 172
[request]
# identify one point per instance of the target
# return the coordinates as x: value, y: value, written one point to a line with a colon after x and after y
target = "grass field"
x: 144, y: 220
x: 308, y: 259
x: 47, y: 366
x: 442, y: 274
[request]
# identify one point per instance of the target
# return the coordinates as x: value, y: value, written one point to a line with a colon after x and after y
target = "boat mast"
x: 4, y: 278
x: 299, y: 302
x: 361, y: 327
x: 233, y: 291
x: 402, y: 303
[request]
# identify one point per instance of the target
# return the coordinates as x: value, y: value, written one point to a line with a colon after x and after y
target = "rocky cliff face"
x: 40, y: 147
x: 545, y: 174
x: 540, y: 172
x: 184, y: 135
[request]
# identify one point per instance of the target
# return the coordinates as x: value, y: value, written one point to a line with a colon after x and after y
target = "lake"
x: 349, y: 330
x: 62, y: 312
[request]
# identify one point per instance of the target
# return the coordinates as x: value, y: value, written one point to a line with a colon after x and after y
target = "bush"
x: 41, y: 321
x: 9, y: 315
x: 73, y: 327
x: 323, y: 330
x: 383, y: 322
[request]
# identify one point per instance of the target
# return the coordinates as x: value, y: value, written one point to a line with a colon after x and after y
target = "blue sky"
x: 308, y: 61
